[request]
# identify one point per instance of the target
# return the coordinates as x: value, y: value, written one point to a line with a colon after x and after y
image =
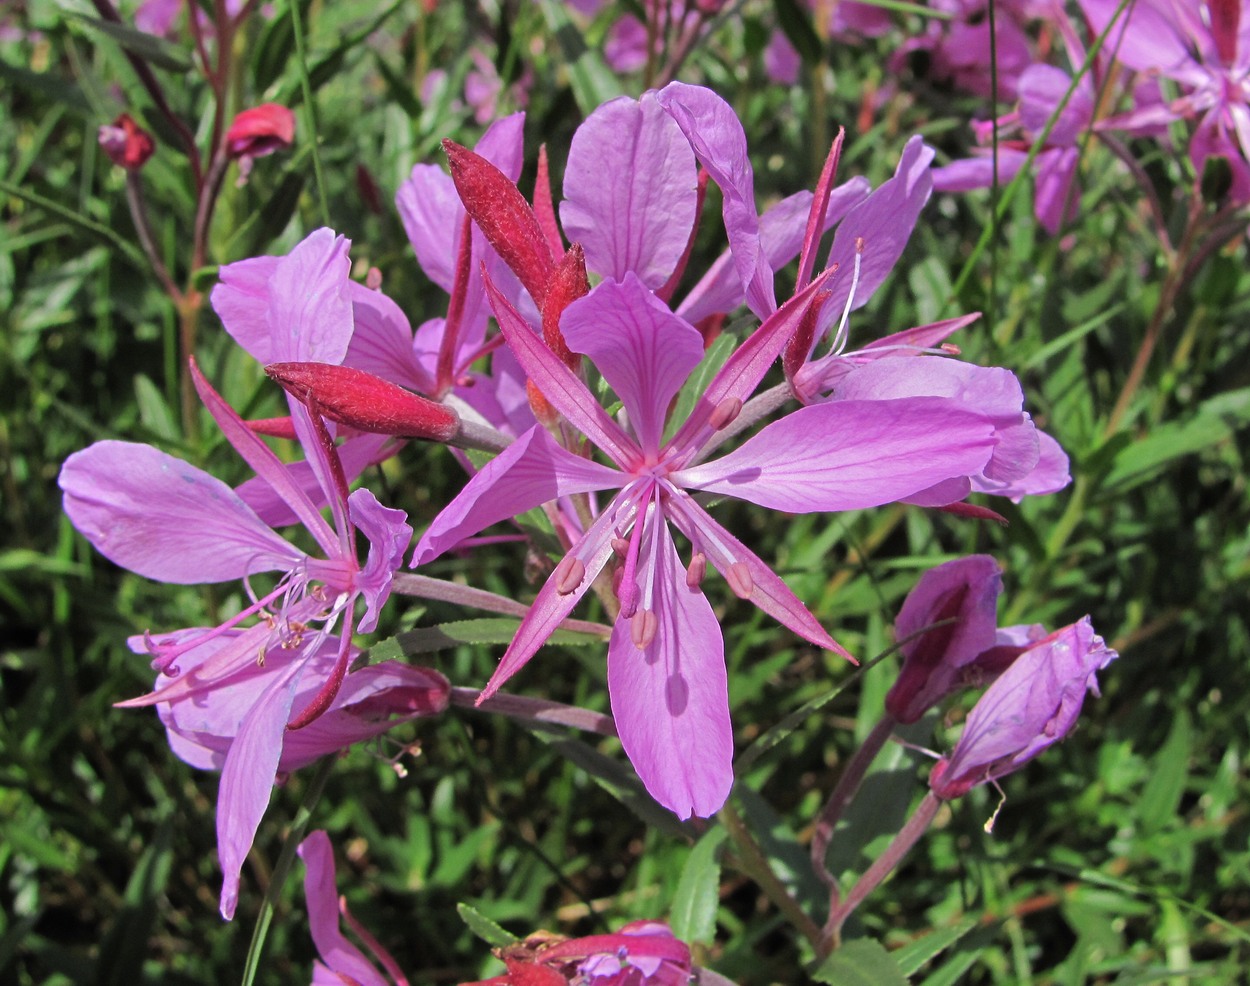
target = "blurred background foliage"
x: 1121, y: 856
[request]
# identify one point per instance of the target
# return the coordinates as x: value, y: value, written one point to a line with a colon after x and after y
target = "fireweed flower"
x: 1042, y: 88
x: 666, y: 672
x: 1202, y: 45
x: 1032, y: 705
x: 165, y: 519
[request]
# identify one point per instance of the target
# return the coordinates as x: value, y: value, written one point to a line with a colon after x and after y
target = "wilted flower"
x: 126, y: 143
x: 1033, y: 704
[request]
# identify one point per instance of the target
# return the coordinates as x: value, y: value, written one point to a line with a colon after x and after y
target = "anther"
x: 642, y: 628
x: 696, y: 570
x: 739, y: 578
x: 569, y: 574
x: 725, y: 413
x: 620, y: 546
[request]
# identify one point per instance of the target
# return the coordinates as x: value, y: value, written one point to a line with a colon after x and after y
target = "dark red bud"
x: 504, y: 217
x: 365, y: 402
x: 800, y: 344
x: 274, y: 427
x: 1225, y: 22
x: 973, y: 512
x: 261, y: 130
x: 544, y: 206
x: 126, y: 143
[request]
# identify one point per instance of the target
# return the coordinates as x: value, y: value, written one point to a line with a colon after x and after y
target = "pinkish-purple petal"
x: 643, y: 350
x: 241, y: 301
x: 848, y: 455
x: 247, y: 779
x: 673, y: 694
x: 382, y: 343
x: 1049, y: 475
x: 165, y: 519
x: 1055, y: 198
x: 388, y: 534
x: 531, y: 471
x: 629, y: 190
x: 308, y: 311
x: 345, y: 962
x: 1042, y: 89
x: 716, y: 134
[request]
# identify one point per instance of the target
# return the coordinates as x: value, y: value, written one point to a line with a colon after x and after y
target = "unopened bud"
x: 365, y: 402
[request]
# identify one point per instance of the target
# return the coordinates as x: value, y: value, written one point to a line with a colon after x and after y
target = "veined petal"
x: 430, y: 210
x: 241, y: 301
x: 643, y: 350
x: 389, y: 535
x: 309, y: 314
x: 165, y: 519
x: 342, y: 957
x: 848, y: 455
x: 768, y: 591
x: 672, y: 696
x: 630, y: 190
x: 559, y: 384
x: 551, y: 605
x: 531, y: 471
x: 247, y: 780
x: 716, y: 134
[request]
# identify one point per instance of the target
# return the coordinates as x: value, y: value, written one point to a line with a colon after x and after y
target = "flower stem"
x: 907, y: 836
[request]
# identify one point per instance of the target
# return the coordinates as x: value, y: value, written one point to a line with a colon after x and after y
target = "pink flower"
x: 1032, y: 705
x: 1204, y: 46
x: 260, y: 130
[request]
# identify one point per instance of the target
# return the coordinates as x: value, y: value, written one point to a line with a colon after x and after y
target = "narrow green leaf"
x: 693, y: 915
x: 1172, y: 440
x: 862, y: 962
x: 96, y: 229
x: 915, y: 954
x: 796, y: 24
x: 1157, y: 806
x: 484, y: 927
x: 154, y: 411
x: 714, y: 358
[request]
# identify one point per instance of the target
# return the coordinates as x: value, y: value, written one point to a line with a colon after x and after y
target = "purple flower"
x: 1042, y: 88
x: 1204, y: 46
x: 666, y: 672
x: 1033, y: 704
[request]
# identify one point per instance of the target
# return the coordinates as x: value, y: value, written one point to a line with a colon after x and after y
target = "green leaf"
x: 1172, y: 440
x: 796, y: 24
x: 716, y: 356
x: 1157, y: 806
x: 862, y: 962
x: 485, y: 928
x: 154, y: 411
x: 484, y: 631
x: 693, y: 914
x: 125, y: 946
x: 48, y: 86
x: 592, y: 81
x: 147, y: 47
x: 915, y: 954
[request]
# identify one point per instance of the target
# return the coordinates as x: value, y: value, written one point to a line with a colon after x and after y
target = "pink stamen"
x: 696, y: 570
x: 725, y: 414
x: 642, y: 628
x: 738, y: 575
x: 569, y: 574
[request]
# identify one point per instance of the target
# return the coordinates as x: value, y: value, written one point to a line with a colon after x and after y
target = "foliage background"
x: 1121, y: 856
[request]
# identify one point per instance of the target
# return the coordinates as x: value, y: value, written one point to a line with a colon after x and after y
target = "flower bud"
x: 126, y: 143
x: 363, y: 401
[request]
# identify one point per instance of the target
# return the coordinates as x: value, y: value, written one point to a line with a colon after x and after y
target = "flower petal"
x: 850, y: 455
x: 165, y: 519
x: 643, y: 350
x: 629, y: 190
x: 673, y: 694
x: 716, y: 134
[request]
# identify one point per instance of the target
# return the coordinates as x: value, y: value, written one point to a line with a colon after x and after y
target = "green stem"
x: 310, y: 111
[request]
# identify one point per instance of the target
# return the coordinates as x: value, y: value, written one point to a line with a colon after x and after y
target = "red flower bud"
x: 568, y: 283
x: 126, y: 143
x: 260, y: 130
x: 504, y: 217
x: 363, y: 401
